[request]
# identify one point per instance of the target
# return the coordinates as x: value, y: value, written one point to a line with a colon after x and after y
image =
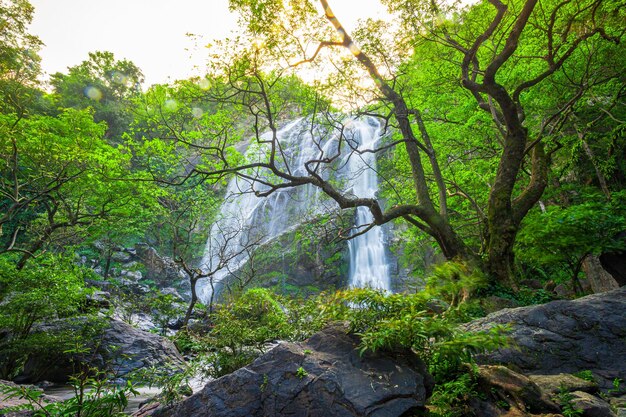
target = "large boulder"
x: 323, y: 376
x: 119, y: 347
x: 586, y: 334
x: 597, y: 277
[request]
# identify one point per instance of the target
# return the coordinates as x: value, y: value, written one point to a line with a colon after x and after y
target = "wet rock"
x: 324, y: 376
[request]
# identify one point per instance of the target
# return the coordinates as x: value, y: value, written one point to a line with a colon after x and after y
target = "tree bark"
x: 192, y: 302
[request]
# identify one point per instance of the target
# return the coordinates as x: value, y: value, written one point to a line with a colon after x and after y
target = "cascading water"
x: 246, y: 218
x: 368, y: 262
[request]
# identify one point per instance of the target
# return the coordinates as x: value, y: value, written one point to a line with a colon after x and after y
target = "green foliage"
x: 523, y: 296
x: 301, y: 372
x: 19, y: 58
x: 385, y: 322
x: 562, y: 236
x: 164, y: 308
x: 174, y: 383
x: 103, y: 84
x: 565, y: 400
x: 403, y: 321
x: 243, y: 327
x: 450, y: 398
x: 52, y: 287
x: 48, y: 289
x: 587, y: 375
x: 94, y: 396
x: 68, y: 181
x: 454, y: 281
x: 617, y: 382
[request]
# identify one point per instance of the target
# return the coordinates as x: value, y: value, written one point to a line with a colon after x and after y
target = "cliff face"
x: 306, y: 259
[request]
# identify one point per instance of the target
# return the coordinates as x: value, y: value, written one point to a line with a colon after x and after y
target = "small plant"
x: 264, y: 383
x: 174, y: 383
x: 565, y: 400
x: 616, y: 386
x: 94, y: 396
x: 307, y: 351
x: 450, y: 398
x: 587, y: 375
x: 301, y: 372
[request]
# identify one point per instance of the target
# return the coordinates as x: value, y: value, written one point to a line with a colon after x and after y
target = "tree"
x: 19, y: 59
x: 60, y: 181
x: 103, y: 83
x: 567, y: 235
x: 504, y: 56
x: 230, y: 245
x: 51, y: 288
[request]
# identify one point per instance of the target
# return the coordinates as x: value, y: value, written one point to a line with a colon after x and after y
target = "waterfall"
x: 246, y: 219
x: 368, y: 262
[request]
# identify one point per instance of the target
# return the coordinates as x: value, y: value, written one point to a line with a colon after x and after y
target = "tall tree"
x: 505, y: 55
x: 19, y: 59
x: 103, y: 83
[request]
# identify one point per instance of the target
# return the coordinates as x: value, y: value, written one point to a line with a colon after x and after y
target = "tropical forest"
x: 419, y: 214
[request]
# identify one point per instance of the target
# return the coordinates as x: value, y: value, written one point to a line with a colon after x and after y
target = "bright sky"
x: 151, y: 33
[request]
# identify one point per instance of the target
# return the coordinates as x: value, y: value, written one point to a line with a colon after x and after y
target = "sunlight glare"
x: 171, y: 104
x: 196, y: 112
x: 93, y: 93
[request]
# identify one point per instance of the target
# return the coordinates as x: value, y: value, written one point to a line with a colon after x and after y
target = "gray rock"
x: 500, y: 383
x: 323, y: 376
x: 121, y: 257
x: 99, y: 299
x: 565, y: 337
x: 139, y: 349
x: 591, y: 406
x: 599, y: 279
x: 120, y: 348
x: 162, y: 270
x: 132, y: 276
x: 553, y: 384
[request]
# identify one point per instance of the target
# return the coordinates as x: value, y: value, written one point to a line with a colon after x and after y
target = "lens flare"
x: 171, y: 105
x: 120, y: 78
x: 204, y: 84
x: 196, y: 112
x: 93, y: 93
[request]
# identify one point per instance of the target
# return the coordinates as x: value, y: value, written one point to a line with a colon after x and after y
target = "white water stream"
x: 245, y: 218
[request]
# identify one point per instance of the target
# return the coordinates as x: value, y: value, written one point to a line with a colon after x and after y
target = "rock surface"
x: 121, y: 347
x: 591, y: 406
x: 565, y: 337
x: 501, y: 386
x: 323, y: 376
x: 163, y: 270
x: 553, y: 384
x: 599, y: 279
